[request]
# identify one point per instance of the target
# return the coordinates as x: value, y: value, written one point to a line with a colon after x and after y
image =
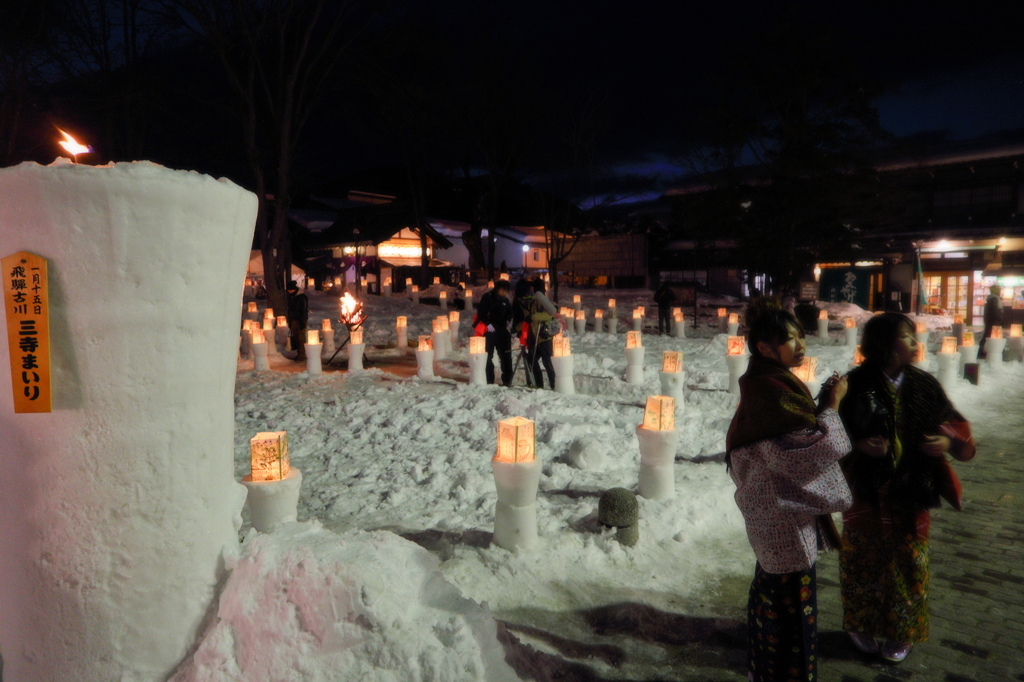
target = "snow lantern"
x: 598, y: 314
x: 408, y: 282
x: 582, y: 315
x: 858, y: 356
x: 633, y: 339
x: 997, y: 332
x: 252, y: 306
x: 477, y: 344
x: 560, y: 348
x: 325, y: 325
x: 611, y: 304
x: 268, y: 451
x: 401, y: 321
x: 949, y: 344
x: 425, y: 343
x: 920, y: 327
x: 515, y: 440
x: 268, y: 314
x: 660, y: 413
x: 437, y: 280
x: 1015, y: 331
x: 958, y: 319
x: 922, y: 354
x: 312, y: 337
x: 672, y: 361
x: 968, y: 339
x: 722, y: 312
x: 356, y: 337
x: 453, y: 316
x: 849, y: 323
x: 436, y: 323
x: 415, y: 289
x: 735, y: 345
x: 734, y: 318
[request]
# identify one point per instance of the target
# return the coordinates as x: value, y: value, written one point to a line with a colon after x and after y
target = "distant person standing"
x: 542, y: 312
x: 298, y: 317
x: 664, y: 297
x: 495, y: 312
x: 993, y: 316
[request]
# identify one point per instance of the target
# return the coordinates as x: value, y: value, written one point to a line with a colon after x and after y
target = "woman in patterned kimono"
x: 902, y: 426
x: 783, y: 454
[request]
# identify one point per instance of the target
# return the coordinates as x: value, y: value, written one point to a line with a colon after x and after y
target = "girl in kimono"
x: 902, y: 426
x: 783, y: 454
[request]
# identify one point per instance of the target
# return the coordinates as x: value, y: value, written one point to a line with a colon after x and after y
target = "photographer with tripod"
x: 495, y: 313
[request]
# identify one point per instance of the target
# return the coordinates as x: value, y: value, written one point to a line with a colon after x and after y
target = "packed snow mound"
x: 305, y: 603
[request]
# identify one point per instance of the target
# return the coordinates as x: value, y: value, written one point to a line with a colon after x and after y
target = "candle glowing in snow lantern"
x: 477, y: 344
x: 920, y: 327
x: 469, y: 295
x: 611, y: 303
x: 949, y: 344
x: 598, y: 314
x: 638, y: 313
x: 490, y: 285
x: 807, y: 370
x: 734, y: 318
x: 282, y: 321
x: 312, y: 337
x: 678, y: 318
x: 401, y: 321
x: 453, y: 316
x: 660, y: 413
x: 415, y: 289
x: 735, y: 345
x: 437, y: 280
x: 443, y: 296
x: 362, y: 282
x: 997, y: 332
x: 722, y: 312
x: 850, y: 323
x: 356, y: 337
x: 387, y: 281
x: 408, y: 282
x: 426, y: 343
x: 958, y: 319
x: 257, y: 336
x: 822, y: 314
x: 503, y: 276
x: 252, y: 306
x: 515, y: 440
x: 921, y: 353
x: 672, y: 361
x: 268, y: 314
x: 268, y: 324
x: 560, y: 349
x: 268, y: 452
x: 576, y: 298
x: 581, y: 315
x: 436, y: 322
x: 633, y: 340
x: 325, y: 325
x: 1015, y: 331
x: 968, y: 339
x: 858, y: 357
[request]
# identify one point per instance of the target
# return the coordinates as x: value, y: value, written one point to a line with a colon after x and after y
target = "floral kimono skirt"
x: 782, y: 631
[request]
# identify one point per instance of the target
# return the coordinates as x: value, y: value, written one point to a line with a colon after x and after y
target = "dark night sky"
x: 958, y: 67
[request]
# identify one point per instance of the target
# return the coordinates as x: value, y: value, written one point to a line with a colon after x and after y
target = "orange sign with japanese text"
x: 27, y: 306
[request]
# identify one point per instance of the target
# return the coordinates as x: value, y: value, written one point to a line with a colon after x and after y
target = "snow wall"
x: 119, y: 507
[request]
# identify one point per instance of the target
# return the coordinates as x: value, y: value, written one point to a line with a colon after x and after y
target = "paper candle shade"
x: 268, y: 452
x: 576, y: 298
x: 672, y: 361
x: 437, y: 280
x: 735, y: 345
x: 515, y: 440
x: 734, y: 318
x: 849, y: 323
x: 678, y: 318
x: 949, y: 344
x: 580, y: 315
x: 282, y: 321
x: 426, y: 343
x: 312, y: 336
x: 560, y: 349
x: 477, y: 344
x: 611, y: 303
x: 257, y: 336
x: 958, y: 319
x: 356, y: 336
x: 660, y: 413
x: 252, y: 306
x: 490, y: 285
x: 638, y: 313
x: 268, y: 324
x: 387, y: 281
x: 326, y: 326
x: 401, y: 321
x: 408, y: 281
x: 453, y: 316
x: 997, y: 332
x: 362, y: 282
x: 858, y: 357
x: 598, y: 314
x: 807, y: 370
x: 268, y: 314
x: 968, y: 339
x: 633, y: 340
x: 920, y: 327
x: 921, y: 353
x: 677, y: 311
x: 443, y: 322
x: 437, y: 325
x: 1015, y: 331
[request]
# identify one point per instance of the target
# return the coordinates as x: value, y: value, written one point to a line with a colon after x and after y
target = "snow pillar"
x: 121, y: 504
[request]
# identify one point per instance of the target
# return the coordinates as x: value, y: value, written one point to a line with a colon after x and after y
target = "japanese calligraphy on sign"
x: 27, y: 307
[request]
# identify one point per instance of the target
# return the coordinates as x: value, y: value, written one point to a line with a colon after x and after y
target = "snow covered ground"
x: 390, y: 573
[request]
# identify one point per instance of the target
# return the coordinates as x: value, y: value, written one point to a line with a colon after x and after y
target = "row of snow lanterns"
x: 516, y: 470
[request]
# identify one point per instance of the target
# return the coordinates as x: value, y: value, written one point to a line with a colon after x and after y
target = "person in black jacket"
x: 495, y: 311
x: 664, y: 297
x: 993, y: 316
x: 298, y: 318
